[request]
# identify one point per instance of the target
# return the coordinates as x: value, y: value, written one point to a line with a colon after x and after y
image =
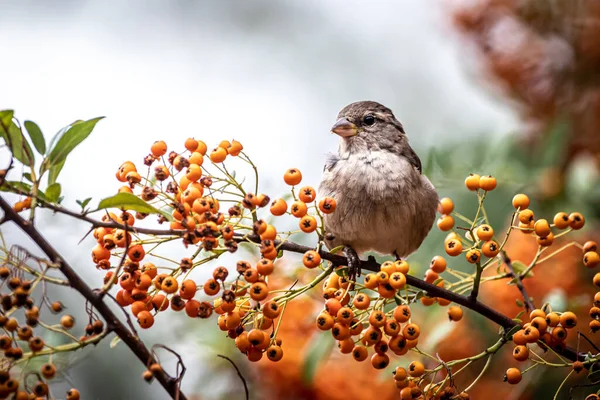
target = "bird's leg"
x: 398, y: 258
x: 353, y: 262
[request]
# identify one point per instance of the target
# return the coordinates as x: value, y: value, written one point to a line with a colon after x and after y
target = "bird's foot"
x: 398, y: 258
x: 353, y: 262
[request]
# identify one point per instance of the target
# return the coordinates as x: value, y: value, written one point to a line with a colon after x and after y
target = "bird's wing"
x: 413, y: 158
x: 330, y: 161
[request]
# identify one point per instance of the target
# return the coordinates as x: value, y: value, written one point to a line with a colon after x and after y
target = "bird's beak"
x: 344, y: 128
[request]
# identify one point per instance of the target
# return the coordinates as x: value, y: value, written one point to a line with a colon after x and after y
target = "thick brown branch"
x: 434, y: 291
x: 133, y: 342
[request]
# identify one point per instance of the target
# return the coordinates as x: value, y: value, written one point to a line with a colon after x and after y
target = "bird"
x: 384, y: 202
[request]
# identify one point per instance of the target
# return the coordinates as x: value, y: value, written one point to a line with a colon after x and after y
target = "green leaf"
x: 519, y: 267
x: 24, y: 187
x: 6, y: 117
x: 18, y: 144
x: 37, y: 138
x: 27, y: 176
x: 76, y: 134
x: 322, y: 345
x: 54, y: 171
x: 83, y: 203
x: 129, y: 201
x: 519, y: 303
x: 53, y: 192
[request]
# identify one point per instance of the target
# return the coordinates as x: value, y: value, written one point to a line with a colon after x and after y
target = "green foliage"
x: 37, y: 138
x: 128, y: 201
x: 67, y: 141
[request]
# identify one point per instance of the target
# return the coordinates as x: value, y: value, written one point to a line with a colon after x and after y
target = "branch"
x: 528, y: 303
x: 133, y: 342
x: 434, y: 291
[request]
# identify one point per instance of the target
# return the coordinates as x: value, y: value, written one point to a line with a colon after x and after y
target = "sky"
x: 272, y: 75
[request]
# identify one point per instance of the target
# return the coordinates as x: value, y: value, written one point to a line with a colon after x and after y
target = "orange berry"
x: 453, y: 247
x: 193, y: 173
x: 561, y: 220
x: 191, y: 144
x: 311, y: 259
x: 402, y: 313
x: 411, y: 331
x: 360, y: 353
x: 377, y: 318
x: 292, y: 176
x: 520, y: 201
x: 361, y: 301
x: 265, y: 267
x: 416, y: 369
x: 136, y: 253
x: 307, y: 194
x: 521, y: 353
x: 196, y: 159
x: 187, y: 290
x: 397, y: 280
x: 325, y: 321
x: 455, y: 313
x: 591, y: 259
x: 388, y: 267
x: 274, y: 353
x: 513, y: 376
x: 485, y: 232
x: 99, y: 253
x: 370, y: 281
x: 218, y: 155
x: 490, y: 249
x: 211, y: 287
x: 299, y: 209
x: 542, y: 228
x: 145, y: 319
x: 576, y: 220
x: 259, y: 291
x: 235, y: 149
x: 269, y: 234
x: 380, y: 361
x: 278, y: 207
x: 546, y: 240
x: 568, y: 319
x: 487, y: 183
x: 473, y: 256
x: 327, y: 205
x: 402, y: 266
x: 590, y: 245
x: 159, y: 148
x: 445, y: 223
x: 308, y: 224
x: 472, y: 182
x: 445, y: 206
x: 526, y: 216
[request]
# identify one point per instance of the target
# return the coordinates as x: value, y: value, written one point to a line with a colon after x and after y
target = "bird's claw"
x: 353, y: 262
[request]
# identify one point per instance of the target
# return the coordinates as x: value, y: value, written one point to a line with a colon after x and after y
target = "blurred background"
x: 508, y: 88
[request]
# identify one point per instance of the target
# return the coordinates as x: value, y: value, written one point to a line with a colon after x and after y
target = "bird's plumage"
x: 384, y: 203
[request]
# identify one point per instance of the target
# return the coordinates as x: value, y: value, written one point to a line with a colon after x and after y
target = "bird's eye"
x: 369, y: 120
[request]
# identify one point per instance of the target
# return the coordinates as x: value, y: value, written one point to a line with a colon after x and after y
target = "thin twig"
x: 239, y: 374
x: 528, y: 303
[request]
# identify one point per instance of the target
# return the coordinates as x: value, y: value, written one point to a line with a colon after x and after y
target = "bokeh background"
x: 496, y: 87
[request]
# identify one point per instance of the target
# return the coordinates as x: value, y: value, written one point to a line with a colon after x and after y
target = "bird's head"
x: 368, y: 124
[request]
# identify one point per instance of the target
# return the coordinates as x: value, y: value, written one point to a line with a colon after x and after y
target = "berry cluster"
x: 23, y: 321
x: 370, y: 316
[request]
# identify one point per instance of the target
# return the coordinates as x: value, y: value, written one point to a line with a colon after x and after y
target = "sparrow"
x: 384, y: 202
